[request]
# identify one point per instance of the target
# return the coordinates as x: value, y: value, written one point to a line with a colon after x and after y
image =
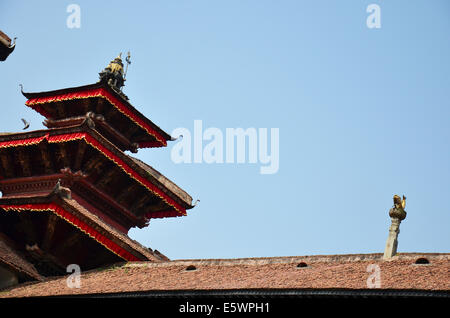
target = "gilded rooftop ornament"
x: 113, y: 73
x: 398, y: 210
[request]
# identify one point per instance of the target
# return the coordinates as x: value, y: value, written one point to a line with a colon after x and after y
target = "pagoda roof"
x: 6, y: 47
x: 16, y: 262
x: 165, y: 181
x: 144, y: 174
x: 125, y: 115
x: 72, y: 212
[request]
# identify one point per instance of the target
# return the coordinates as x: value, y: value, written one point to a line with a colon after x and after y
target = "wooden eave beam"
x: 41, y: 256
x: 127, y: 192
x: 49, y: 233
x: 7, y: 166
x: 24, y: 160
x: 106, y: 178
x: 26, y: 227
x: 79, y: 156
x: 69, y: 242
x: 137, y: 206
x: 46, y: 159
x: 126, y: 213
x: 60, y: 109
x: 63, y: 153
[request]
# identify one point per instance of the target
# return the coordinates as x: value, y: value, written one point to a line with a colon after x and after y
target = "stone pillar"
x: 397, y: 215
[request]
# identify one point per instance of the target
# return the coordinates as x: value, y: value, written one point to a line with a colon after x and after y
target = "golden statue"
x: 113, y: 73
x: 116, y: 65
x: 399, y: 203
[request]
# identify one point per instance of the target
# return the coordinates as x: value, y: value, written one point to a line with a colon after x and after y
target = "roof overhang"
x: 176, y: 199
x: 5, y: 46
x: 75, y: 214
x: 44, y: 103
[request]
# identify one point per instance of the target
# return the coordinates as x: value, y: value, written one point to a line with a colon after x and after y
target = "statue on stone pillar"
x: 397, y: 214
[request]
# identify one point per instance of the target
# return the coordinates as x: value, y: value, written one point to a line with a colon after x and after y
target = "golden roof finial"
x: 113, y: 73
x: 116, y: 65
x: 399, y: 203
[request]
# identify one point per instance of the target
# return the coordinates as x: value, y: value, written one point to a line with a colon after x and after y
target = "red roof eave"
x: 108, y: 154
x: 72, y: 219
x: 37, y: 102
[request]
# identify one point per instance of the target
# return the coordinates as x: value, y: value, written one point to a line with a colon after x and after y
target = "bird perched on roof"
x: 62, y: 191
x: 27, y: 124
x: 399, y: 203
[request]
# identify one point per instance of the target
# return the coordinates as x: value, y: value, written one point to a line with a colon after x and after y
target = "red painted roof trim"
x: 37, y: 102
x: 67, y: 216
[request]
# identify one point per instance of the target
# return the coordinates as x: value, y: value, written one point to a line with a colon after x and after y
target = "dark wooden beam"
x: 117, y: 136
x: 80, y: 155
x: 63, y: 155
x: 2, y: 172
x: 60, y: 109
x: 43, y: 258
x: 106, y: 177
x: 24, y: 160
x: 89, y: 104
x: 50, y: 230
x: 156, y: 207
x: 46, y: 158
x: 99, y: 109
x: 7, y: 166
x: 105, y: 202
x: 103, y: 257
x: 139, y: 203
x: 131, y: 131
x: 110, y: 114
x: 126, y: 192
x: 93, y: 163
x: 69, y: 242
x: 66, y: 122
x: 27, y: 227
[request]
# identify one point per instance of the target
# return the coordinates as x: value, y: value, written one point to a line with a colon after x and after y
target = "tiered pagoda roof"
x: 113, y: 115
x: 70, y: 193
x: 6, y: 46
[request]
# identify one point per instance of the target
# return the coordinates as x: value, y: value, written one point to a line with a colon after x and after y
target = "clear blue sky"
x: 363, y: 113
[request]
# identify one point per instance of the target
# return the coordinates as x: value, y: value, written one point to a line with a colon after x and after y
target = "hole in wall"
x: 191, y: 268
x: 422, y: 260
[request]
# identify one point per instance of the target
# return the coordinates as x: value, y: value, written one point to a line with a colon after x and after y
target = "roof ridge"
x: 338, y: 258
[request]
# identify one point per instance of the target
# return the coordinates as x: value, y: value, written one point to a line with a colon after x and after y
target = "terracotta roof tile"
x: 15, y: 261
x: 93, y: 220
x: 117, y: 236
x: 163, y: 180
x: 321, y: 272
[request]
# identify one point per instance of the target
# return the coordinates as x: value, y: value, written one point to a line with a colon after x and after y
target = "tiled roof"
x: 316, y: 272
x: 163, y: 180
x: 117, y: 236
x: 5, y: 46
x: 93, y: 220
x: 142, y: 169
x: 99, y: 84
x: 11, y: 259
